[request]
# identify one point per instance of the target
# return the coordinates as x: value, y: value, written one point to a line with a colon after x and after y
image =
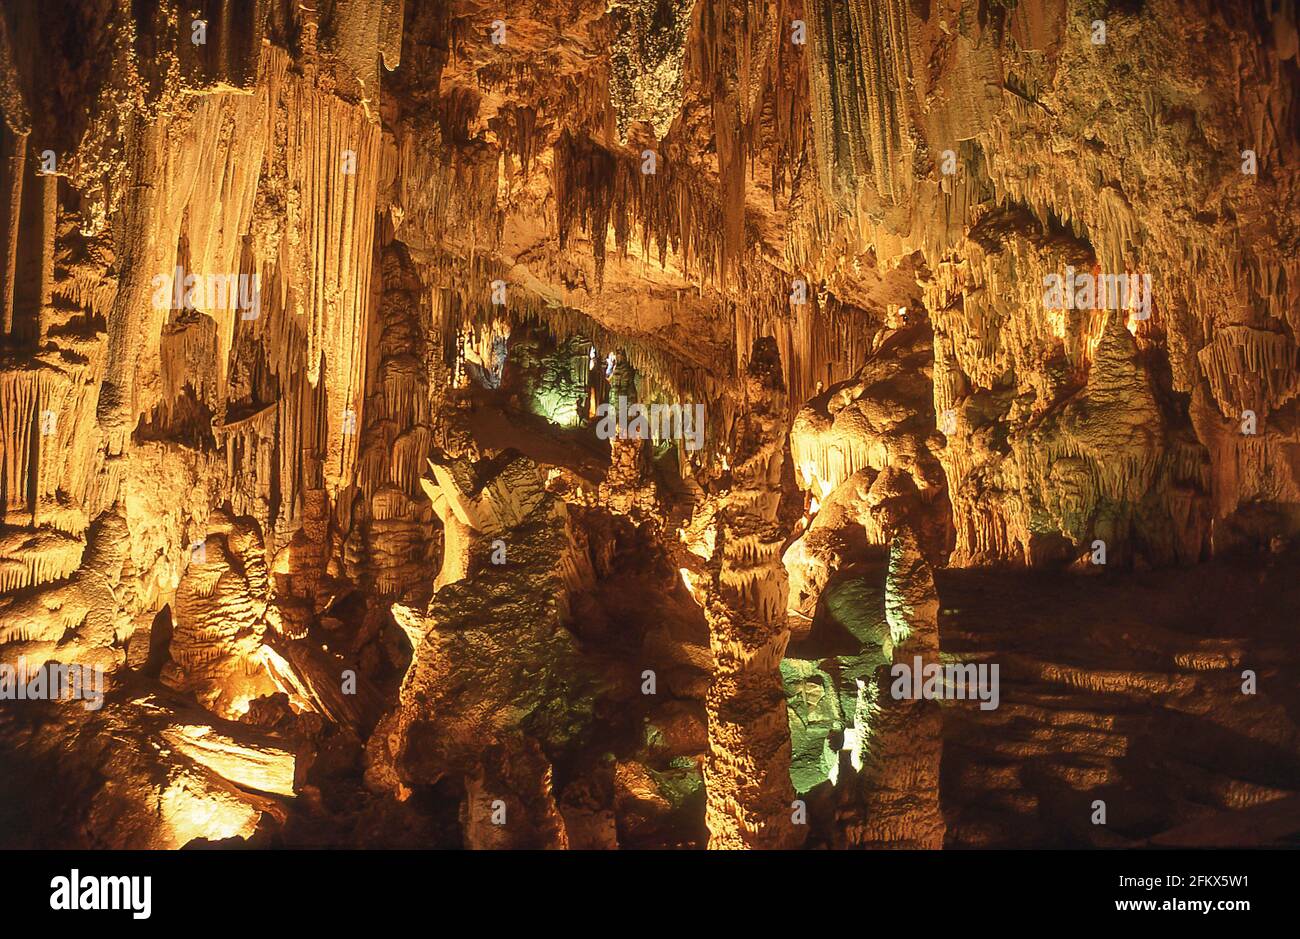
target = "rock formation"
x: 559, y: 425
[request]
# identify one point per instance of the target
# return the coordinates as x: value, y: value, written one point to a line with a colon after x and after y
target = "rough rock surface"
x: 309, y: 334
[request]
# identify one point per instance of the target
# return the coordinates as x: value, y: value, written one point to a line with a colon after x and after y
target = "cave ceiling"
x: 955, y: 332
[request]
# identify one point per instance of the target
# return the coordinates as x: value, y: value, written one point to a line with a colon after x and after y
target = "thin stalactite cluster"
x: 555, y: 424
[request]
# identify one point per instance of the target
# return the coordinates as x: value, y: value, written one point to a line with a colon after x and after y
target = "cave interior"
x: 649, y: 423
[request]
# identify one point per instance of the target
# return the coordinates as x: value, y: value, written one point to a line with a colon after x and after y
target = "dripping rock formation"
x: 649, y: 423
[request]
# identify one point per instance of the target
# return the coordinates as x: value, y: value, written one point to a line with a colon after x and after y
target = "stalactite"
x: 1250, y: 369
x: 335, y: 237
x: 392, y: 543
x: 840, y: 253
x: 456, y: 194
x: 860, y: 108
x: 822, y: 341
x: 599, y: 189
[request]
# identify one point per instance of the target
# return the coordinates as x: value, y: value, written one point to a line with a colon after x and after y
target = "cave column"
x: 747, y: 777
x: 905, y: 746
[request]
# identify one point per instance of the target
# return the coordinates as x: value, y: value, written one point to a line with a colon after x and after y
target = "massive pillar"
x: 742, y: 587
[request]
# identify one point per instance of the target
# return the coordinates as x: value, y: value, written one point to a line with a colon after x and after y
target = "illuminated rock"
x: 303, y: 332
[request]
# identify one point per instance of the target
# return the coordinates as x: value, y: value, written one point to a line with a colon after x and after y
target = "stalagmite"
x: 742, y: 588
x: 904, y: 747
x: 313, y: 317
